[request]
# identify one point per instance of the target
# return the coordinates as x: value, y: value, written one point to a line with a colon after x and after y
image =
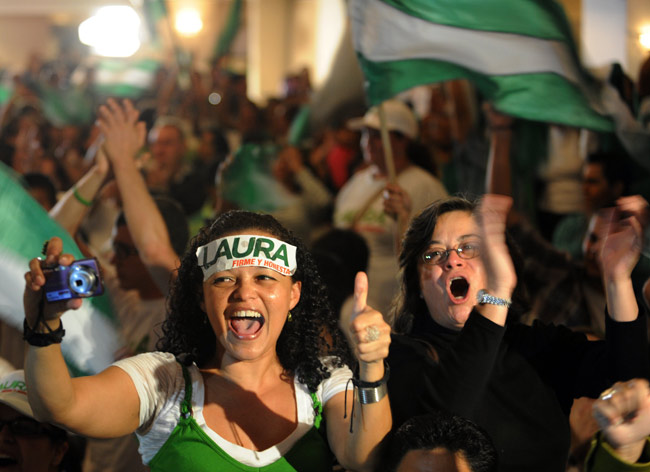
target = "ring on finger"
x: 608, y: 394
x: 372, y: 334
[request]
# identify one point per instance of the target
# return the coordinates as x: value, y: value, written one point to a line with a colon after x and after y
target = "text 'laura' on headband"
x: 246, y: 250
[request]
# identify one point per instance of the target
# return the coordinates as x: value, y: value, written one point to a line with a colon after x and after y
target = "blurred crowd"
x: 209, y: 149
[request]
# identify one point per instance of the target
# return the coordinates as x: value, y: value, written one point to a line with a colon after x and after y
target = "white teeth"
x: 455, y: 278
x: 246, y: 314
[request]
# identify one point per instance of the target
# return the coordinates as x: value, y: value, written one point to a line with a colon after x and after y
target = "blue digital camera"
x: 80, y: 279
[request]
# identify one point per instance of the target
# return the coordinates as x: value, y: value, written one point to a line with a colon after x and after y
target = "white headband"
x: 246, y: 250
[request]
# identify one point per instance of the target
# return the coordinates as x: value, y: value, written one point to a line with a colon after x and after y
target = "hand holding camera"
x: 57, y: 283
x: 78, y: 280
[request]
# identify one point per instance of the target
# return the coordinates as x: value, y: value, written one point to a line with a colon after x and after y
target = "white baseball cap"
x: 399, y: 117
x: 13, y: 392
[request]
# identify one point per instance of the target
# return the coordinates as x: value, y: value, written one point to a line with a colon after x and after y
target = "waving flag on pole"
x: 519, y: 53
x: 91, y: 338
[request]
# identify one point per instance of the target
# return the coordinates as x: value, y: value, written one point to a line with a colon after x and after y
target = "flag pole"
x: 385, y: 141
x: 390, y: 169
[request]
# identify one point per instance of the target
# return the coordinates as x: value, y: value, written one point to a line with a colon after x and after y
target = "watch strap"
x: 484, y: 298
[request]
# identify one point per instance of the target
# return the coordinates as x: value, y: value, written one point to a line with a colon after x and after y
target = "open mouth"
x: 246, y: 324
x: 458, y: 289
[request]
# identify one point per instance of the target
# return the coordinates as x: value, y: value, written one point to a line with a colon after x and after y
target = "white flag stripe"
x: 12, y: 285
x: 384, y: 33
x: 134, y: 77
x: 91, y: 340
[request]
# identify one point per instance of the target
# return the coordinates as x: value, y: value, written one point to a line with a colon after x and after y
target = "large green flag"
x: 91, y: 338
x: 519, y: 53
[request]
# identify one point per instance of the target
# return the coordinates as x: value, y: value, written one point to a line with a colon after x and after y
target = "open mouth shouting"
x: 246, y: 324
x: 458, y: 289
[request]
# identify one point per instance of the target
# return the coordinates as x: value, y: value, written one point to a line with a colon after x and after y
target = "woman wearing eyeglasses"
x: 26, y: 444
x: 462, y: 349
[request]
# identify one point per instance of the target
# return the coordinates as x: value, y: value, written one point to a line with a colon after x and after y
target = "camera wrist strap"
x: 52, y: 336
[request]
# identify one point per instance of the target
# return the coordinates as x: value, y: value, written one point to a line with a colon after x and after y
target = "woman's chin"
x: 454, y: 318
x: 459, y: 316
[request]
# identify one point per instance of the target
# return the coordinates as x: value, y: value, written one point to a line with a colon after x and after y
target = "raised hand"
x: 367, y: 333
x: 637, y: 206
x: 623, y: 414
x: 124, y: 134
x: 397, y: 202
x: 35, y: 279
x: 621, y: 247
x: 492, y: 214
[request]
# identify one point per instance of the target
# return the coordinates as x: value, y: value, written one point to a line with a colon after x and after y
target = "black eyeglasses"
x: 23, y: 426
x: 468, y: 250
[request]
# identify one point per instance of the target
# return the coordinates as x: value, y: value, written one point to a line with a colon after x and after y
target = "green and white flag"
x: 519, y: 53
x: 91, y: 335
x: 125, y: 78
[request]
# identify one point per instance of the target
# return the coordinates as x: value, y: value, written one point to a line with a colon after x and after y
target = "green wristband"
x: 81, y: 199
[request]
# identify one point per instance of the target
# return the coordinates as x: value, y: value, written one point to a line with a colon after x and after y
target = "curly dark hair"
x: 416, y: 241
x: 312, y: 334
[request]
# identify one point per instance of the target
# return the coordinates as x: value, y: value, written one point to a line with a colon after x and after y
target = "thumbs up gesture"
x: 367, y: 332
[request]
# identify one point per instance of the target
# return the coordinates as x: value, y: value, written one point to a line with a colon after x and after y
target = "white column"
x: 604, y: 32
x: 267, y: 25
x: 638, y: 15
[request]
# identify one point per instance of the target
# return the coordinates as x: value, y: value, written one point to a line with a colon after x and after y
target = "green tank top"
x: 189, y: 448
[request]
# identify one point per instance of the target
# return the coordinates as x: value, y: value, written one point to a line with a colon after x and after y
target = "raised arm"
x: 124, y: 137
x: 73, y: 206
x: 369, y: 338
x: 501, y: 278
x: 103, y: 405
x: 620, y: 252
x: 497, y: 178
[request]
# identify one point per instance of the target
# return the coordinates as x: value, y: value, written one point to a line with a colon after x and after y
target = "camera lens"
x: 82, y: 280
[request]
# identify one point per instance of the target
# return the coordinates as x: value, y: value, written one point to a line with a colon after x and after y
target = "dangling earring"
x: 289, y: 317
